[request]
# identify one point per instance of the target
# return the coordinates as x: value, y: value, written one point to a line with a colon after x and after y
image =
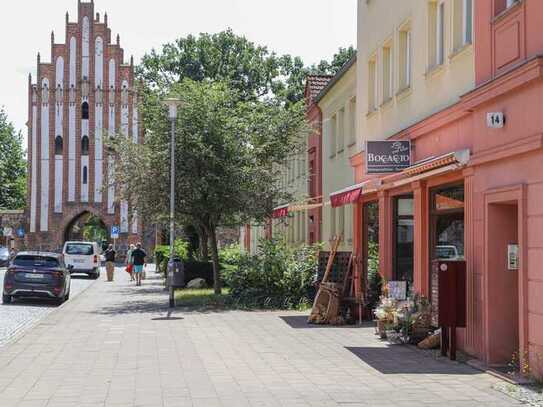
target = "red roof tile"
x: 315, y: 84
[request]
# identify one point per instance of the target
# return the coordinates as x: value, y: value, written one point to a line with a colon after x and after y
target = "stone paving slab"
x: 119, y: 345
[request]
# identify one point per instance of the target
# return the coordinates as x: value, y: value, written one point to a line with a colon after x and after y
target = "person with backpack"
x: 138, y: 258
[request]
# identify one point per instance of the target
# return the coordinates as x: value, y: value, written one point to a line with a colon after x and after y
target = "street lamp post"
x: 172, y: 104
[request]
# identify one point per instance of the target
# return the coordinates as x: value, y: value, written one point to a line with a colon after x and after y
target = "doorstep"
x: 501, y: 373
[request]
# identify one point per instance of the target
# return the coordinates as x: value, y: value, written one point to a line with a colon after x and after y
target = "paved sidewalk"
x: 20, y: 315
x: 117, y: 345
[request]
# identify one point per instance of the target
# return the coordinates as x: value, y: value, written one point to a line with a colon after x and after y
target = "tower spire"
x: 67, y: 18
x: 105, y: 18
x: 118, y: 39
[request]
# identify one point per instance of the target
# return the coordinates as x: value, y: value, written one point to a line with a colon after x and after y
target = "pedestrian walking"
x: 130, y: 262
x: 138, y: 258
x: 110, y: 262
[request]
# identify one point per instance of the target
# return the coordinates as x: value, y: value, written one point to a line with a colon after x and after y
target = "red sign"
x: 280, y: 212
x: 345, y: 198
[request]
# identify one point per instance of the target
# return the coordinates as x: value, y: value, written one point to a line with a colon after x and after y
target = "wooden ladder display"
x: 326, y: 307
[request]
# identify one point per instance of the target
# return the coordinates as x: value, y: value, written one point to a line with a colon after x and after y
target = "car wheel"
x: 6, y: 299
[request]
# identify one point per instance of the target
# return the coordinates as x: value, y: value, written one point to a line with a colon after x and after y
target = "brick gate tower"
x: 83, y: 95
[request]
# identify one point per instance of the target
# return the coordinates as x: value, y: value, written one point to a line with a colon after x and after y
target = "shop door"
x: 503, y: 282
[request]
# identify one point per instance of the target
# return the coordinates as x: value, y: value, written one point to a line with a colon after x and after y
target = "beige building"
x: 295, y: 182
x: 415, y: 57
x: 338, y: 105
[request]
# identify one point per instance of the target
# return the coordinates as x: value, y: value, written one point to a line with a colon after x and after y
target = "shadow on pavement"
x: 34, y: 302
x: 398, y: 359
x: 300, y: 322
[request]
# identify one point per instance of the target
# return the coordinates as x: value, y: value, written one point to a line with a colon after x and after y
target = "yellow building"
x: 337, y: 102
x: 415, y: 57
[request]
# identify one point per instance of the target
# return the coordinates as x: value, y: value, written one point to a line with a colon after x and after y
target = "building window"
x: 436, y: 34
x: 403, y: 238
x: 333, y: 135
x: 341, y: 130
x: 58, y: 145
x: 84, y: 145
x: 447, y: 234
x: 372, y: 85
x: 85, y: 111
x: 501, y: 5
x: 462, y: 23
x: 85, y: 175
x: 387, y: 73
x: 352, y: 121
x: 341, y: 222
x: 333, y: 228
x: 405, y: 58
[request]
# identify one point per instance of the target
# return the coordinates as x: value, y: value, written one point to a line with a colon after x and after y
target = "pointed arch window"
x: 58, y: 145
x: 85, y: 175
x: 85, y: 111
x: 85, y: 145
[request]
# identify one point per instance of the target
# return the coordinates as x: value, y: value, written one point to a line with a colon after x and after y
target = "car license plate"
x: 34, y: 276
x: 78, y: 261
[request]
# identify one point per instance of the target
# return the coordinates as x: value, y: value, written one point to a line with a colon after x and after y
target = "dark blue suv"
x: 37, y: 274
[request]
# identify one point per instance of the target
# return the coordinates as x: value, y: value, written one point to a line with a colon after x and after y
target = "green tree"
x: 225, y: 151
x: 252, y: 70
x: 12, y: 166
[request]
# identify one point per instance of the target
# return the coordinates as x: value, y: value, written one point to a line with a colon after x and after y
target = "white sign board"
x: 397, y: 290
x: 495, y: 120
x: 8, y: 232
x: 512, y: 257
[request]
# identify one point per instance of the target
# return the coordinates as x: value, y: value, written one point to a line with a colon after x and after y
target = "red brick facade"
x: 85, y: 90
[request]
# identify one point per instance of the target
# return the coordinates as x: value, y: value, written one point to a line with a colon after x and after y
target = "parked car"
x: 37, y: 274
x: 4, y: 256
x: 83, y: 257
x: 447, y: 252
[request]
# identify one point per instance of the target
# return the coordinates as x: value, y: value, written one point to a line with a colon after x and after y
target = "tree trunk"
x: 215, y: 258
x: 204, y: 243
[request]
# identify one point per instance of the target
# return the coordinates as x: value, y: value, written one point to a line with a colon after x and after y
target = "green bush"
x: 277, y: 277
x: 375, y: 281
x: 162, y: 254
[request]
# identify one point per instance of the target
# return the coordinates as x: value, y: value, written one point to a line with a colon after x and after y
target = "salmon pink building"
x: 474, y: 189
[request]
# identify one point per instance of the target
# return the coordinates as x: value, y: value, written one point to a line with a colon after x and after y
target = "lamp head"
x: 172, y: 104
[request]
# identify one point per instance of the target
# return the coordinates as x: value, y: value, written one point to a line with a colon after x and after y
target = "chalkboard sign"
x: 397, y: 290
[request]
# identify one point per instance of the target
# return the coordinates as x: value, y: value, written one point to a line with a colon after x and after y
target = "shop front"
x: 472, y: 194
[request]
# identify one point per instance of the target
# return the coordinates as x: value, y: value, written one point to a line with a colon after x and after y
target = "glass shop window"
x: 447, y: 229
x: 403, y: 238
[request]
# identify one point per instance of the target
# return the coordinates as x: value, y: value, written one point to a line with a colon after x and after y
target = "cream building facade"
x: 339, y: 143
x: 415, y: 58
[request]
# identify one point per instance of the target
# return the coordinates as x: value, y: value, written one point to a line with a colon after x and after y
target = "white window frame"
x: 389, y: 72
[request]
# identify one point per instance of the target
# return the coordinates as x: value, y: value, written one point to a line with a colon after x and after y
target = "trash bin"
x: 176, y: 277
x: 176, y: 273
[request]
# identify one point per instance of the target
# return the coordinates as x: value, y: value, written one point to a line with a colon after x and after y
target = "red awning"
x: 346, y: 196
x: 280, y: 212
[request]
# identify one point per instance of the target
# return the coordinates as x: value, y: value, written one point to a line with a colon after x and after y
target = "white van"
x: 83, y: 257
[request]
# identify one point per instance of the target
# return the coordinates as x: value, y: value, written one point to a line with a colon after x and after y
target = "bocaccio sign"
x: 387, y: 156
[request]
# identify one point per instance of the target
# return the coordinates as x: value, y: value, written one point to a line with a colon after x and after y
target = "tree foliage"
x: 252, y: 70
x: 226, y: 148
x: 12, y: 166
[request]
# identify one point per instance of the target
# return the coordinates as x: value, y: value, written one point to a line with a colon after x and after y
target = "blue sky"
x: 313, y: 29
